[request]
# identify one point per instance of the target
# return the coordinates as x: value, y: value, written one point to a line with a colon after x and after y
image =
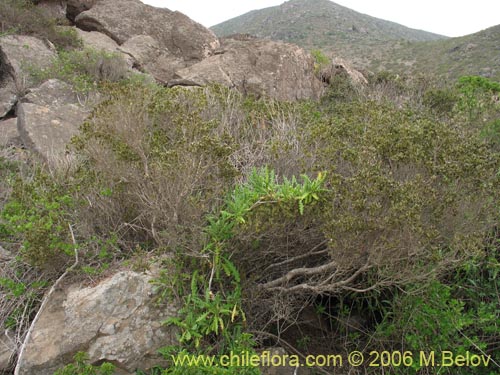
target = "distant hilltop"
x: 370, y: 43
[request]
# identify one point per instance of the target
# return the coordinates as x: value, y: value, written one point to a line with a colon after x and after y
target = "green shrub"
x: 321, y: 61
x: 213, y: 309
x: 476, y: 99
x: 340, y: 89
x: 491, y: 132
x: 441, y: 101
x: 36, y: 215
x: 23, y: 17
x: 459, y: 313
x: 84, y: 69
x: 81, y: 367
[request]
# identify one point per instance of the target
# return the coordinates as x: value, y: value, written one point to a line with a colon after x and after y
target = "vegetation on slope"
x: 322, y: 24
x: 24, y: 18
x: 475, y: 54
x: 376, y: 208
x: 398, y: 202
x: 371, y: 43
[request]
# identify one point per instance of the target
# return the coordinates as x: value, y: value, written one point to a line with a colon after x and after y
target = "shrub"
x: 36, y: 215
x: 81, y: 367
x: 23, y: 17
x: 476, y: 99
x: 84, y: 69
x: 393, y: 177
x: 321, y: 61
x: 459, y: 313
x: 491, y: 132
x: 213, y: 309
x: 171, y: 155
x: 441, y: 101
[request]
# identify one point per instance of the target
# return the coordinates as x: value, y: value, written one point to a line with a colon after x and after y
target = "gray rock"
x: 75, y: 7
x: 168, y: 40
x: 340, y: 66
x: 115, y: 321
x: 7, y: 352
x: 102, y: 42
x: 8, y: 132
x: 4, y: 256
x: 8, y: 97
x: 56, y: 9
x: 19, y: 54
x: 263, y: 67
x: 48, y: 117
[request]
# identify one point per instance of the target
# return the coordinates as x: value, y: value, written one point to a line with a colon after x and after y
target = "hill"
x: 371, y: 43
x: 326, y: 25
x: 475, y: 54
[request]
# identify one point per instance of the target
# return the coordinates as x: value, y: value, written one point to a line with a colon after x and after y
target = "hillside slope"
x: 475, y: 54
x: 326, y: 25
x: 371, y: 43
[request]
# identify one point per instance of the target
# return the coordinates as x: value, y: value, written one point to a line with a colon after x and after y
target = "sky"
x: 445, y: 17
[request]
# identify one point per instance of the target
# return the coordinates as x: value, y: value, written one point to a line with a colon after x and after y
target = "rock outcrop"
x: 279, y: 70
x: 19, y: 54
x: 102, y: 42
x: 174, y: 40
x: 47, y: 118
x: 116, y: 321
x: 340, y: 66
x: 57, y: 9
x: 75, y: 7
x: 8, y: 131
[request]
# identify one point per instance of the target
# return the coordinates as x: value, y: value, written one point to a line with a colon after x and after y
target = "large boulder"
x: 263, y: 67
x: 173, y: 39
x: 116, y: 321
x: 48, y: 117
x: 75, y: 7
x: 342, y: 67
x: 101, y: 42
x: 19, y: 54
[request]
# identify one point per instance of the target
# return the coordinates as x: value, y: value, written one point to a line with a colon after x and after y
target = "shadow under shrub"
x: 410, y: 198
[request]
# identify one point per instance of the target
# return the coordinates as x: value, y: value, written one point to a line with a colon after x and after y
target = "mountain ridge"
x: 368, y: 42
x: 322, y: 24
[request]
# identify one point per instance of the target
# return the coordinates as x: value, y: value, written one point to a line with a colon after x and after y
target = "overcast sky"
x: 446, y: 17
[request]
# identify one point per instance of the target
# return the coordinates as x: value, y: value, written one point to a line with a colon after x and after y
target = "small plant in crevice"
x: 321, y: 61
x: 82, y: 367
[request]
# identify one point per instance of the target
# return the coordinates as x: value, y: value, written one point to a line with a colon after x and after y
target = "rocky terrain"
x: 165, y: 45
x: 164, y: 190
x: 116, y: 321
